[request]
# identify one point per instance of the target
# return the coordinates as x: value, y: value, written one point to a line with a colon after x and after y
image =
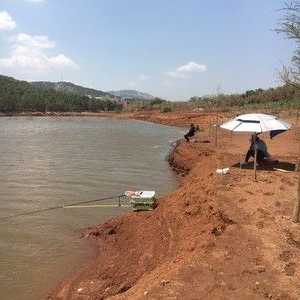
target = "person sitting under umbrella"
x: 262, y: 151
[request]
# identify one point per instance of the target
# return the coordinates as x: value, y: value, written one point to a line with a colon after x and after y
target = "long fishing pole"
x: 57, y: 207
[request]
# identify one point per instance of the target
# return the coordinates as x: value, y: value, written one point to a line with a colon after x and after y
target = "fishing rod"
x: 58, y: 207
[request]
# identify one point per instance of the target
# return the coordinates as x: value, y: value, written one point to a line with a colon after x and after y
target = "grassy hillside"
x: 68, y: 87
x: 21, y: 96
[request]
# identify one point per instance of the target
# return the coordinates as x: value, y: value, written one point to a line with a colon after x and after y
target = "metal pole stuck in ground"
x: 255, y: 162
x: 298, y: 137
x: 216, y: 132
x: 296, y: 211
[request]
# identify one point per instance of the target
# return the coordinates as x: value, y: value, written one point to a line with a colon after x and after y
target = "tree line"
x: 20, y: 96
x: 289, y: 25
x: 286, y: 96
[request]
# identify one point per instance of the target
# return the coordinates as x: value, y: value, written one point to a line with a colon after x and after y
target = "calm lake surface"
x: 51, y: 161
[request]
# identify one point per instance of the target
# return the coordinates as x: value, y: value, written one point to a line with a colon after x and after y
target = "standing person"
x: 191, y: 132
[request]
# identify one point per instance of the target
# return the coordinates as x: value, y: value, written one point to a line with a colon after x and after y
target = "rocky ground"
x: 215, y: 237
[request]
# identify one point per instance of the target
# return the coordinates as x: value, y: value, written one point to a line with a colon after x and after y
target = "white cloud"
x: 30, y: 54
x: 34, y: 41
x: 6, y: 21
x: 177, y: 75
x: 187, y: 70
x: 192, y: 67
x: 62, y: 60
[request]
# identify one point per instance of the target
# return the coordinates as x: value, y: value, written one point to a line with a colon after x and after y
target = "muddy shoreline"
x: 215, y: 237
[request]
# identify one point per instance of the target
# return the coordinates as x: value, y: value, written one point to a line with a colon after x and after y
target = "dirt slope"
x: 216, y: 237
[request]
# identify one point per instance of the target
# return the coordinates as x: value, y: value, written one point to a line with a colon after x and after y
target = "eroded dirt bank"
x: 216, y: 237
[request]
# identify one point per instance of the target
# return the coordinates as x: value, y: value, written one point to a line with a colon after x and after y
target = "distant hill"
x: 68, y: 87
x: 22, y: 96
x: 131, y: 94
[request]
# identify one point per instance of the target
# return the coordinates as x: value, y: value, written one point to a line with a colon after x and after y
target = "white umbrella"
x: 256, y: 123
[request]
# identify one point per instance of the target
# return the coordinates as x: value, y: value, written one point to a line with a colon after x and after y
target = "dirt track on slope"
x: 215, y: 237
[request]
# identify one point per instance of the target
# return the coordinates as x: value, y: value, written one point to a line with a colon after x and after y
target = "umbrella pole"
x: 255, y: 162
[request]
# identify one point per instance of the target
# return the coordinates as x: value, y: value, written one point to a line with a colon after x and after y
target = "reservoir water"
x: 53, y: 161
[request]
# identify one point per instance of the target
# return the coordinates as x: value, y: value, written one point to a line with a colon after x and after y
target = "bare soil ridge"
x: 216, y: 237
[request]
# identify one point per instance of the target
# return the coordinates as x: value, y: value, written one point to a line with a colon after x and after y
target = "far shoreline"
x: 58, y: 114
x: 153, y: 116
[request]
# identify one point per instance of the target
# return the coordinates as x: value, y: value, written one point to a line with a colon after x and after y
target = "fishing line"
x: 58, y: 207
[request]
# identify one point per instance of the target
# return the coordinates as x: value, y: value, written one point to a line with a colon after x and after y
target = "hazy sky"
x: 170, y: 48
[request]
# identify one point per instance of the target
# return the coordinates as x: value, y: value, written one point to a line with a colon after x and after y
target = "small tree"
x: 289, y: 25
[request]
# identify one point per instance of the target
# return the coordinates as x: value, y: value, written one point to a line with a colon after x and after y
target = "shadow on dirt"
x: 269, y: 166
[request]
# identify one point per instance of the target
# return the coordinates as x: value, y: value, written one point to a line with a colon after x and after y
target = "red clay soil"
x: 216, y: 237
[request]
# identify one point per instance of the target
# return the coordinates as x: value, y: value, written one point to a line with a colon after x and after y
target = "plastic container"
x: 222, y: 171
